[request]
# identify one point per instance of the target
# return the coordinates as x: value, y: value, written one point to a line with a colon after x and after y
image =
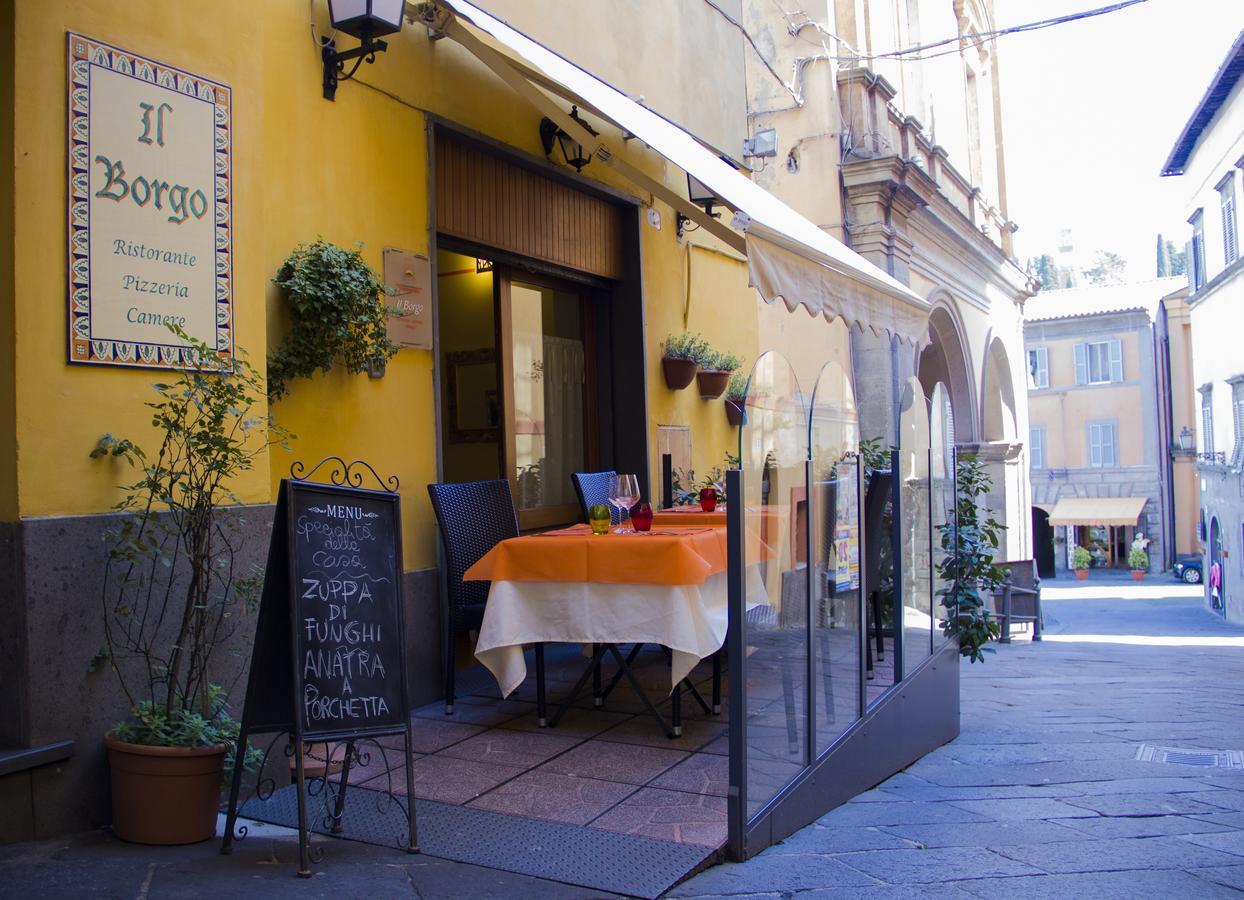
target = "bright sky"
x: 1090, y: 111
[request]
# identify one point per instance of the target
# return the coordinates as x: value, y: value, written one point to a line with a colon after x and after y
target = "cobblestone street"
x: 1041, y: 796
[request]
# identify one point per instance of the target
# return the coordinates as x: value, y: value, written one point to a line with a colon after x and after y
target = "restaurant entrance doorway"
x: 518, y: 368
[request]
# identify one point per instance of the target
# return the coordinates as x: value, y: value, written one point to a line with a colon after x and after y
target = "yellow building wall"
x: 8, y: 372
x: 354, y: 170
x: 60, y: 411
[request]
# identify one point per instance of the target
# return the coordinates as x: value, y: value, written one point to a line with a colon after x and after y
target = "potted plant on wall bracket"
x: 680, y: 358
x: 173, y: 589
x: 714, y: 374
x: 736, y: 394
x: 339, y: 316
x: 1081, y: 559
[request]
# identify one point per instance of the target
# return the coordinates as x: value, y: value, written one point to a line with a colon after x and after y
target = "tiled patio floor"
x: 612, y: 769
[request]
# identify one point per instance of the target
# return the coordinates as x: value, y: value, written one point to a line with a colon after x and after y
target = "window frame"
x: 1103, y: 426
x: 1039, y: 377
x: 1196, y: 258
x: 1207, y: 419
x: 1110, y: 362
x: 1230, y: 229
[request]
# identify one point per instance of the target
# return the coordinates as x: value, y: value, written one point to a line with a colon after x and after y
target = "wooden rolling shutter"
x: 484, y: 198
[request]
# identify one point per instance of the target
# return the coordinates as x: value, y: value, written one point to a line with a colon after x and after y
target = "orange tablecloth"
x: 668, y: 556
x: 687, y: 516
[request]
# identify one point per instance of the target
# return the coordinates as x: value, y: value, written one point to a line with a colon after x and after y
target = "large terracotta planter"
x: 678, y: 372
x: 1082, y: 574
x: 164, y: 795
x: 734, y: 412
x: 1138, y: 574
x: 712, y: 384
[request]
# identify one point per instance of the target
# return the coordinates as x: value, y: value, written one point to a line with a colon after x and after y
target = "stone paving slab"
x: 1116, y: 854
x: 1230, y: 876
x: 937, y: 864
x: 776, y: 872
x: 1142, y: 826
x: 988, y: 834
x: 1138, y: 885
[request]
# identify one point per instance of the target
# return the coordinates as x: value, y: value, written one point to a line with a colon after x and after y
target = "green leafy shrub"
x: 337, y: 303
x: 1137, y: 558
x: 967, y: 568
x: 173, y: 586
x: 736, y: 389
x: 690, y: 347
x: 1081, y: 558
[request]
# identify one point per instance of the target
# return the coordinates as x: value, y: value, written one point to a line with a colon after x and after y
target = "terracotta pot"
x: 734, y: 413
x: 678, y: 372
x: 164, y: 795
x: 1138, y: 574
x: 712, y: 384
x: 1082, y: 574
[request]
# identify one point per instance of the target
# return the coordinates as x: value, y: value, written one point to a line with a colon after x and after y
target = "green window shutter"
x: 1116, y: 361
x: 1081, y: 364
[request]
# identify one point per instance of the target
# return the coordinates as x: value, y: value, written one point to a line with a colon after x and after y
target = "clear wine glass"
x: 623, y: 494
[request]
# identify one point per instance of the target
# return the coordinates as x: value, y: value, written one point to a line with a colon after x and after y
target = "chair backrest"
x: 1026, y: 588
x: 592, y: 488
x: 473, y: 517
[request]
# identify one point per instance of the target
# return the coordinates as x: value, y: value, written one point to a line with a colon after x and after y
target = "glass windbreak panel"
x: 942, y: 488
x: 915, y: 551
x: 773, y: 457
x: 877, y: 519
x: 546, y: 347
x: 834, y: 517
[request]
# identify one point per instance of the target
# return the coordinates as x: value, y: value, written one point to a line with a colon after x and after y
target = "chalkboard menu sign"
x: 329, y: 658
x: 345, y: 567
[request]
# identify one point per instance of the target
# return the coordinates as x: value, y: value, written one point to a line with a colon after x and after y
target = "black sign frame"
x: 276, y: 683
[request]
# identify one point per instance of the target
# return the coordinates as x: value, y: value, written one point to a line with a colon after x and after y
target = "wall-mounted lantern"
x: 699, y: 194
x: 366, y: 20
x: 573, y: 152
x: 1185, y: 439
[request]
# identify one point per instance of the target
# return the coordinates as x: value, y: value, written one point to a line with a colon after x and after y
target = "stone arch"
x: 998, y: 409
x: 945, y: 360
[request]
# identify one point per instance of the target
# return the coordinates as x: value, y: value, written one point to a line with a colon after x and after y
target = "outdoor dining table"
x: 665, y: 587
x: 689, y: 516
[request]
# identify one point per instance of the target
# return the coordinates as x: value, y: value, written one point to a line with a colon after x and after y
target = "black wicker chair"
x: 473, y: 517
x: 592, y: 488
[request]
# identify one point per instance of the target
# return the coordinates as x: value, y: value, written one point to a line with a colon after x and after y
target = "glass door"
x: 546, y: 380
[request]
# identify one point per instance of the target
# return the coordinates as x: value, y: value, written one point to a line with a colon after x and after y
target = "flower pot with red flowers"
x: 714, y: 374
x: 174, y: 592
x: 736, y: 396
x: 680, y: 359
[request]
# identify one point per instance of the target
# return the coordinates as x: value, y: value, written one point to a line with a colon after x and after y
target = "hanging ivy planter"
x: 714, y: 374
x: 337, y: 303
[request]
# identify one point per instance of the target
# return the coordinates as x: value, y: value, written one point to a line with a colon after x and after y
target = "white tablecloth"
x: 689, y: 619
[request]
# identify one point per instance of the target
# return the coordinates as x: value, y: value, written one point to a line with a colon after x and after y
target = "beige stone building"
x: 903, y: 158
x: 1209, y: 157
x: 1098, y: 448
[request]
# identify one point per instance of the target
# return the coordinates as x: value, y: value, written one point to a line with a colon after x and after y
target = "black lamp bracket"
x: 335, y: 63
x: 684, y: 220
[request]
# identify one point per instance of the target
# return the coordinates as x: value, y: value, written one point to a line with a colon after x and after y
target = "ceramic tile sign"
x: 409, y: 276
x: 150, y: 225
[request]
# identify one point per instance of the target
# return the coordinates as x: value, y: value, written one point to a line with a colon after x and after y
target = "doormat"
x: 1180, y: 756
x: 572, y: 854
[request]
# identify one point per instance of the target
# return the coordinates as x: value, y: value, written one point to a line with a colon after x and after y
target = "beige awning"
x: 789, y: 257
x: 1097, y: 510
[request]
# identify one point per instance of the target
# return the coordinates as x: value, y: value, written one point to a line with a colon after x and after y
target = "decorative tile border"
x: 84, y: 56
